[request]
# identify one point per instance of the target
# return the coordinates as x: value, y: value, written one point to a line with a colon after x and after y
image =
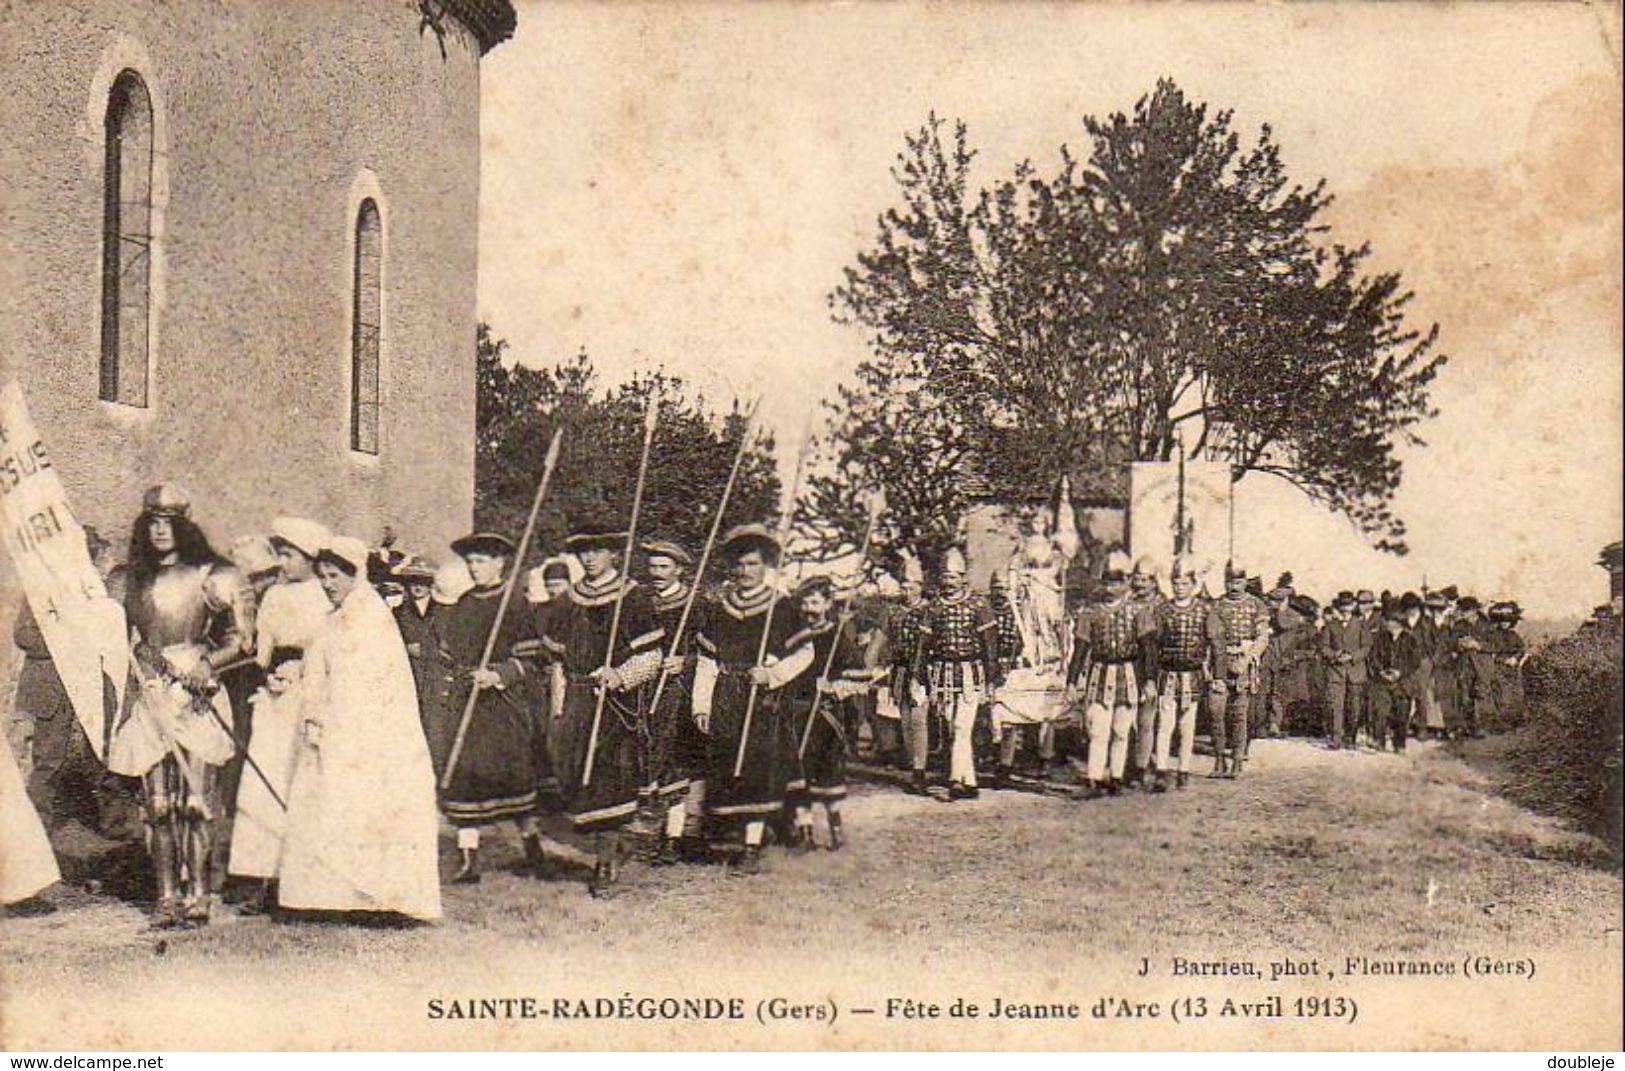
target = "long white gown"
x: 292, y: 615
x: 362, y: 818
x: 27, y: 864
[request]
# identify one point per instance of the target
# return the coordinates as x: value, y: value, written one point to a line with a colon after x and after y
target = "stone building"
x: 238, y: 248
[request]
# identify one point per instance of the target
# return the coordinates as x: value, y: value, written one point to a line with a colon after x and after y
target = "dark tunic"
x: 414, y: 626
x: 676, y: 745
x: 819, y: 732
x: 730, y: 634
x: 499, y: 773
x: 577, y: 635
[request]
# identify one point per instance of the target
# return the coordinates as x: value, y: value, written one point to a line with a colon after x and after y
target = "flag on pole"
x: 83, y: 627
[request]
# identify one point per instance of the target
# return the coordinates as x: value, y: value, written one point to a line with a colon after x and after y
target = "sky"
x: 680, y: 185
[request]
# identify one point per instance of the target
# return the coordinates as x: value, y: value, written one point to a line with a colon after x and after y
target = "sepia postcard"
x: 567, y: 525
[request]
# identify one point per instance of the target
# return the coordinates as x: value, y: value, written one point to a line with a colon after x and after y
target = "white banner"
x: 1156, y: 513
x: 84, y: 628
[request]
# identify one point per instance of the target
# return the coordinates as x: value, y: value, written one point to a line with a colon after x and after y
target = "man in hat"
x: 1509, y: 652
x: 1238, y: 629
x: 818, y: 733
x: 745, y: 661
x: 193, y: 614
x: 1280, y: 674
x: 608, y: 643
x: 1436, y: 704
x: 676, y: 748
x: 1112, y: 657
x: 1474, y: 639
x: 905, y: 628
x: 416, y: 578
x: 1345, y: 641
x: 1181, y: 668
x: 960, y: 655
x: 1394, y: 662
x: 498, y: 775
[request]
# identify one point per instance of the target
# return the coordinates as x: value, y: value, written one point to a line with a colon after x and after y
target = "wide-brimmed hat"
x: 346, y: 551
x: 1468, y: 604
x: 1438, y: 600
x: 1505, y: 610
x: 306, y: 536
x: 665, y: 548
x: 490, y: 544
x: 743, y: 538
x: 595, y: 534
x: 1410, y: 601
x: 1344, y: 600
x: 414, y: 570
x: 1366, y: 597
x: 166, y: 500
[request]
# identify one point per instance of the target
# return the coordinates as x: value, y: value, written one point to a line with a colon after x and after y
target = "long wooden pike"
x: 548, y: 466
x: 651, y: 417
x: 705, y: 551
x: 829, y: 659
x: 785, y: 519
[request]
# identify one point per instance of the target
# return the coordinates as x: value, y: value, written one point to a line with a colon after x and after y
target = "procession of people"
x: 308, y: 711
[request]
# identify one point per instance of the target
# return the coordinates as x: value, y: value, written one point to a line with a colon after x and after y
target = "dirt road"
x: 1314, y: 857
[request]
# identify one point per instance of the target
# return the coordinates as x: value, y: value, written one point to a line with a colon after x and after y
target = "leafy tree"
x: 1167, y: 290
x: 518, y: 407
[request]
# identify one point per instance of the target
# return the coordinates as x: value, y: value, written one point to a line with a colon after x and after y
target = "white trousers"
x: 1108, y: 740
x: 958, y: 711
x: 1176, y: 708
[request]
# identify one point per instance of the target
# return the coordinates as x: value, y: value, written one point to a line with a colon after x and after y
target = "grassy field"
x: 1314, y: 855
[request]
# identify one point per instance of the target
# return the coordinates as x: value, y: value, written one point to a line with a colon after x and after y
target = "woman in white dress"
x: 362, y: 818
x: 27, y: 864
x: 291, y: 615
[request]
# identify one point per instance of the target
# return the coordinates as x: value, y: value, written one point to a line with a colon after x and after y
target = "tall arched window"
x: 364, y: 392
x: 126, y: 241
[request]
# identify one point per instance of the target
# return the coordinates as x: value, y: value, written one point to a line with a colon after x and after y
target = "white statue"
x: 1037, y: 584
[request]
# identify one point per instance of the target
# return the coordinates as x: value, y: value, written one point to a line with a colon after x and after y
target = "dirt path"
x: 1313, y: 855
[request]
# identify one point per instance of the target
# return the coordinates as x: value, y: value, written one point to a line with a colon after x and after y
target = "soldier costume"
x: 737, y: 672
x: 603, y: 689
x: 1113, y: 658
x: 1143, y: 590
x: 498, y: 776
x: 1182, y: 656
x: 1238, y: 633
x: 675, y: 746
x: 817, y: 728
x: 1011, y: 649
x: 960, y: 654
x: 906, y: 629
x: 193, y: 613
x: 1344, y: 642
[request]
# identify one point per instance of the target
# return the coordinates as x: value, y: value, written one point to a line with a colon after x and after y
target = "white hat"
x: 953, y: 561
x: 349, y: 550
x: 307, y: 537
x: 1117, y: 564
x: 253, y: 554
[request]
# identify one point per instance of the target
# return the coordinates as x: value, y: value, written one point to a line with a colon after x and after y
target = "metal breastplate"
x: 174, y: 610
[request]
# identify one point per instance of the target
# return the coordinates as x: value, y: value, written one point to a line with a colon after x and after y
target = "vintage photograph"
x: 612, y: 524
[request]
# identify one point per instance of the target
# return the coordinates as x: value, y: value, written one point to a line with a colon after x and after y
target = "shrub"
x: 1568, y: 762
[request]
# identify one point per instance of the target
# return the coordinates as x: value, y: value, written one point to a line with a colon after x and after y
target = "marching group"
x: 305, y: 710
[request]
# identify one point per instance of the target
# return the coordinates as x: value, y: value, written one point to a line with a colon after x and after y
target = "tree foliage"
x: 518, y: 407
x: 1168, y: 289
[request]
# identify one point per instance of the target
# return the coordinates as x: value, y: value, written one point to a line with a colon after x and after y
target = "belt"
x: 1117, y: 661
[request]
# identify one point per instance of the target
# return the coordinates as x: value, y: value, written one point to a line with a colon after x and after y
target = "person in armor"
x: 607, y: 641
x: 192, y: 613
x: 675, y: 763
x: 1345, y: 641
x: 496, y: 777
x: 815, y: 722
x: 1394, y: 662
x: 1182, y: 660
x: 1509, y: 652
x: 960, y: 655
x: 745, y: 661
x: 1238, y: 630
x: 1144, y: 590
x: 1112, y: 658
x: 905, y: 628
